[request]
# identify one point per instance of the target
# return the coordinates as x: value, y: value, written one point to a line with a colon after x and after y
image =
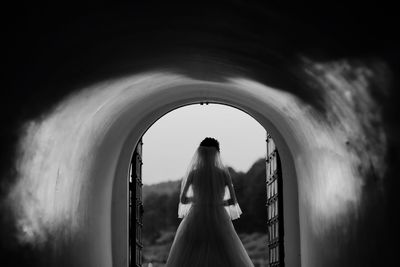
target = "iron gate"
x: 274, y: 204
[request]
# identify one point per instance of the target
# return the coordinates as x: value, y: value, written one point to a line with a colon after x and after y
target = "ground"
x: 157, y: 251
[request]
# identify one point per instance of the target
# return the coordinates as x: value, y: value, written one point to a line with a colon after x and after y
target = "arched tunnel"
x: 86, y: 81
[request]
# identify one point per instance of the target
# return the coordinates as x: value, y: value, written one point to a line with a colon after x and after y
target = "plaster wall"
x: 80, y: 203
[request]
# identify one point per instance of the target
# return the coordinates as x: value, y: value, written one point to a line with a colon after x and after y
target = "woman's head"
x: 210, y: 142
x: 208, y: 153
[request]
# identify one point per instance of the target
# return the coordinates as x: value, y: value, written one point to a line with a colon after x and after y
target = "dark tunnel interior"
x: 53, y: 49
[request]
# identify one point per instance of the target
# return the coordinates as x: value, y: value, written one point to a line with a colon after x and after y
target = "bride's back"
x: 208, y: 185
x: 206, y: 236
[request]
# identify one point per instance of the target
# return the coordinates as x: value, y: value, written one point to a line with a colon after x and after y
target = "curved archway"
x: 167, y: 99
x: 82, y: 200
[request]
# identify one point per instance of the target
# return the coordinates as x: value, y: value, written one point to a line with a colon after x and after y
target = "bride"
x: 206, y: 237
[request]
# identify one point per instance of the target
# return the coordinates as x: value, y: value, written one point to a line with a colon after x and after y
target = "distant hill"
x: 167, y: 188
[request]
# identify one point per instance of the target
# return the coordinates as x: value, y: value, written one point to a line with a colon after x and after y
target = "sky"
x: 170, y: 143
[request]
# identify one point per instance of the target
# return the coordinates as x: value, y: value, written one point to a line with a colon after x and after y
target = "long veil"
x: 208, y: 179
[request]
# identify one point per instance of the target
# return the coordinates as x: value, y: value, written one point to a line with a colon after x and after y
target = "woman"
x: 206, y: 237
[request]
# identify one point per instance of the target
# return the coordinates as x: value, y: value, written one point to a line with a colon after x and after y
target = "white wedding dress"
x: 206, y: 236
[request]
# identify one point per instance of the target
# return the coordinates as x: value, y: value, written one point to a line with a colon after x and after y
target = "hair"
x: 210, y: 142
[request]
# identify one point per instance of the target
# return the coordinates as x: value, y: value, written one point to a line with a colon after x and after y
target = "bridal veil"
x: 208, y: 182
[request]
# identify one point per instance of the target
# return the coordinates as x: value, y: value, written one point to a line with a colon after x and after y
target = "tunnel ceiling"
x: 68, y: 46
x: 53, y: 49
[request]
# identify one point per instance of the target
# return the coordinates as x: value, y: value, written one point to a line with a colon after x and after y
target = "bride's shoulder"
x: 224, y: 174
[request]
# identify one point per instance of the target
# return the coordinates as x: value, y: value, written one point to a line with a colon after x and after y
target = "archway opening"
x: 168, y: 147
x: 270, y: 195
